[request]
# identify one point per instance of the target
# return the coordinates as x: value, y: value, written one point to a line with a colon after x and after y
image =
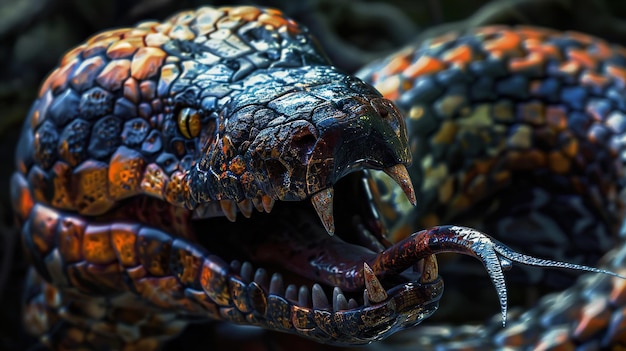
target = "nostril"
x: 384, y: 113
x: 304, y: 142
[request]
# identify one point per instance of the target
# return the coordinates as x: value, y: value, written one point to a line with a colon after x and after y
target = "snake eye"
x: 189, y: 122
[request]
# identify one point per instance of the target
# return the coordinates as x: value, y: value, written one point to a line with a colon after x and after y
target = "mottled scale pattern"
x: 103, y: 130
x: 517, y: 131
x: 100, y: 128
x: 209, y: 110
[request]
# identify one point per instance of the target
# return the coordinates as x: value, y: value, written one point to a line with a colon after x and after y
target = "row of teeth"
x: 315, y: 296
x: 322, y: 201
x: 228, y: 208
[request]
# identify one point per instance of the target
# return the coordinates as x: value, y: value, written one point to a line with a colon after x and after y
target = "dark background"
x: 35, y: 33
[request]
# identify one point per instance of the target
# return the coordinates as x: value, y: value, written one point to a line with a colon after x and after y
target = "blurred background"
x: 35, y: 33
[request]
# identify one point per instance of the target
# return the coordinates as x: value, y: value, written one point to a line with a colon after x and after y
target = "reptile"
x: 147, y: 145
x: 516, y: 131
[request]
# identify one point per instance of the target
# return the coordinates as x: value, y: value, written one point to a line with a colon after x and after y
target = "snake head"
x: 297, y: 140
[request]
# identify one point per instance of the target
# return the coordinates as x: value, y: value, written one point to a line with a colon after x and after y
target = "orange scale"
x: 582, y: 57
x: 542, y: 48
x: 97, y: 246
x: 59, y: 78
x: 176, y: 188
x: 114, y: 34
x: 507, y: 43
x: 114, y: 74
x: 146, y: 62
x: 135, y: 33
x: 396, y: 65
x: 125, y: 173
x: 246, y: 13
x: 90, y: 188
x: 123, y: 238
x: 124, y: 48
x: 530, y: 32
x: 570, y: 68
x: 424, y: 65
x: 131, y: 90
x: 461, y: 55
x: 71, y: 55
x: 98, y: 47
x: 389, y: 87
x: 275, y: 21
x: 532, y: 61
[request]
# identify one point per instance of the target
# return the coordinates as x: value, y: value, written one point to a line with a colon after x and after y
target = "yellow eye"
x: 189, y: 122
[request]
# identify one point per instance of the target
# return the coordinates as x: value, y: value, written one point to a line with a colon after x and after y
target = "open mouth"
x: 336, y: 288
x: 286, y: 273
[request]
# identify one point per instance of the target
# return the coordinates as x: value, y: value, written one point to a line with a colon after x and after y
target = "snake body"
x: 147, y: 143
x: 517, y: 131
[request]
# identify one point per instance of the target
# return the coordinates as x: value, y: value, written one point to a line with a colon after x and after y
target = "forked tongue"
x: 323, y: 200
x: 494, y: 255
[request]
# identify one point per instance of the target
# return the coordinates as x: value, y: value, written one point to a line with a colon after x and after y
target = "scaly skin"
x: 517, y: 131
x: 145, y: 138
x: 139, y: 131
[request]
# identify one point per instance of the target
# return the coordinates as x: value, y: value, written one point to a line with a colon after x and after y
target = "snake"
x: 216, y: 166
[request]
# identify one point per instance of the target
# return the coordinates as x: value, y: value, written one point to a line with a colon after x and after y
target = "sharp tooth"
x: 258, y: 203
x: 430, y: 269
x: 375, y: 291
x: 276, y: 284
x: 268, y: 203
x: 235, y: 266
x: 339, y: 300
x: 304, y: 297
x: 401, y: 176
x: 352, y: 304
x: 245, y: 206
x: 291, y: 293
x: 246, y: 272
x: 261, y: 278
x: 230, y: 209
x: 323, y: 203
x: 320, y: 301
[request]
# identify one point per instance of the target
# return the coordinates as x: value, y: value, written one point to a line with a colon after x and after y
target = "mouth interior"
x: 289, y: 253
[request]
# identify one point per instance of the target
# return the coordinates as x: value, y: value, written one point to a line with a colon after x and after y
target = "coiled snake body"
x: 147, y: 143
